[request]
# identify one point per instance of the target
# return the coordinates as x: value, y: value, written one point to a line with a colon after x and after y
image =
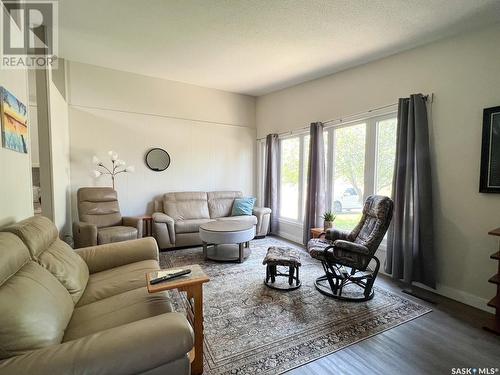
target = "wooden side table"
x: 316, y: 232
x: 147, y: 226
x: 192, y: 284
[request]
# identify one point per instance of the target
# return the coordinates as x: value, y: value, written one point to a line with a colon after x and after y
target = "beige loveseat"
x: 86, y: 311
x: 178, y: 216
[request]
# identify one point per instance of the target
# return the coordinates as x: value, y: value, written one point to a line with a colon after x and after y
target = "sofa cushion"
x: 115, y: 311
x: 246, y: 219
x: 67, y: 266
x: 41, y: 237
x: 34, y: 307
x: 116, y: 234
x: 37, y: 232
x: 117, y: 280
x: 185, y: 206
x: 190, y: 226
x: 220, y: 203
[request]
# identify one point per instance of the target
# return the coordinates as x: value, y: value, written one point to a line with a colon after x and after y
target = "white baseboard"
x: 460, y: 296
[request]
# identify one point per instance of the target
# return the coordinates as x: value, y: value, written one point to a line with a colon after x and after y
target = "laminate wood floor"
x: 448, y: 337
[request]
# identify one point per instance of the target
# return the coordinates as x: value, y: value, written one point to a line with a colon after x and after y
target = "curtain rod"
x: 429, y: 98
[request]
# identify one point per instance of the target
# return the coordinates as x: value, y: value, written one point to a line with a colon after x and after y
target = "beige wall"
x: 209, y: 134
x: 59, y: 133
x: 464, y: 74
x: 16, y: 198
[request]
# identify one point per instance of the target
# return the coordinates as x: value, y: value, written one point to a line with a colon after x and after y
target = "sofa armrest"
x: 164, y: 229
x: 135, y: 222
x: 160, y: 217
x: 263, y: 215
x: 103, y: 257
x: 124, y: 350
x: 84, y: 234
x: 260, y: 211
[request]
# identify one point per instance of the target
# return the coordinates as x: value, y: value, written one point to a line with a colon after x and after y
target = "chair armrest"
x: 333, y: 234
x: 351, y: 246
x: 128, y: 349
x: 104, y: 257
x: 135, y: 222
x: 260, y: 211
x: 84, y: 234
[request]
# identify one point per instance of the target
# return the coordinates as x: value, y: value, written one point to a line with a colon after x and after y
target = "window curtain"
x: 315, y: 191
x: 410, y: 247
x: 271, y: 177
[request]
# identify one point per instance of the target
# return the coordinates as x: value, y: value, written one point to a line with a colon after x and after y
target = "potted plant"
x: 328, y: 219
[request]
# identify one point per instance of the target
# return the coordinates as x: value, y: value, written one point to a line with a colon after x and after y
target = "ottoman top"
x: 282, y: 256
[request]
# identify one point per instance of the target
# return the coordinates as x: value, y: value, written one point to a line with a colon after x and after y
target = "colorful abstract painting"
x: 14, y: 118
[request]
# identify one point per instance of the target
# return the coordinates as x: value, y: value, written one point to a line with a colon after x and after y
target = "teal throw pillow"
x: 243, y: 206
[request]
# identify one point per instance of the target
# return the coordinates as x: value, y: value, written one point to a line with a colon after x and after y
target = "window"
x: 359, y: 161
x: 289, y: 178
x: 348, y: 174
x: 386, y: 155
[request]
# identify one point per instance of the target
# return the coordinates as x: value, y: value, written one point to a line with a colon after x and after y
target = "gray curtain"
x: 315, y: 192
x: 410, y: 246
x: 271, y: 176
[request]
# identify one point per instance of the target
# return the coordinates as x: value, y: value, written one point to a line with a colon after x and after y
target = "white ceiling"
x: 256, y: 46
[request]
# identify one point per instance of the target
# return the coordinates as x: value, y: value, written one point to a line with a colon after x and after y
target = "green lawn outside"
x: 346, y: 221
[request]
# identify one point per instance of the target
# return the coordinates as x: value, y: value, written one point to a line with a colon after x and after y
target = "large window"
x: 359, y: 159
x: 290, y: 178
x: 348, y: 174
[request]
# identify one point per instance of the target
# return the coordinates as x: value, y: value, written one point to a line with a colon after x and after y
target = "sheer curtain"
x: 315, y: 192
x: 410, y: 245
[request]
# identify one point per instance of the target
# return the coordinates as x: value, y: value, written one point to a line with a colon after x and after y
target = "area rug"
x: 250, y: 328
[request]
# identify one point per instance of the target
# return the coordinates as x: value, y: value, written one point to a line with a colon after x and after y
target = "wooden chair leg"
x: 290, y: 274
x: 273, y: 273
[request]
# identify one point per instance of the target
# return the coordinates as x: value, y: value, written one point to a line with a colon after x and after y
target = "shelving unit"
x: 494, y: 324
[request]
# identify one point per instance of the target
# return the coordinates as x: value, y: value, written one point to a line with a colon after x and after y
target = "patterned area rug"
x: 250, y: 328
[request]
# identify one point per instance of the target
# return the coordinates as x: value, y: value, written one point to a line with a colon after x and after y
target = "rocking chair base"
x: 323, y: 287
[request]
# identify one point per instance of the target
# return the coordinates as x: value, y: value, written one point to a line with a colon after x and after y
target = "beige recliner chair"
x: 100, y: 219
x: 86, y: 311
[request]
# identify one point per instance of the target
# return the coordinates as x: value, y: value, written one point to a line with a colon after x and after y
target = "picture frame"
x: 14, y: 122
x: 489, y: 180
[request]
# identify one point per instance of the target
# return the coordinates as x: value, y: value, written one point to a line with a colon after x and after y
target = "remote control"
x: 169, y: 277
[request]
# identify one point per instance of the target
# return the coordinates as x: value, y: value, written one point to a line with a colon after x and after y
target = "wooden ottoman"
x: 286, y: 257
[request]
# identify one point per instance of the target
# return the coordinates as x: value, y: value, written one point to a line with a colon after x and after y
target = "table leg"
x: 195, y: 293
x: 241, y: 255
x: 205, y: 250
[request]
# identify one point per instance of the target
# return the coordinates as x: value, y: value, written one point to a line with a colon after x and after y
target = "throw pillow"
x: 243, y: 206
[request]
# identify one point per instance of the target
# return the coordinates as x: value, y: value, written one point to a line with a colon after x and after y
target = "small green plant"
x: 329, y: 216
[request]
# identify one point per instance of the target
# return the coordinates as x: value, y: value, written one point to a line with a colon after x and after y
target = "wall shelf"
x: 494, y: 324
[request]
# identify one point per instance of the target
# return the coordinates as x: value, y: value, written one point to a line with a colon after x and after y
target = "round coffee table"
x: 223, y: 235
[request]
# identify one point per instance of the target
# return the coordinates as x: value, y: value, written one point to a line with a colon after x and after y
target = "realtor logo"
x: 29, y: 34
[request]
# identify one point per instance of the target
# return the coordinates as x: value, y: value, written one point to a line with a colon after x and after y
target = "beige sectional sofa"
x: 178, y: 216
x: 85, y: 311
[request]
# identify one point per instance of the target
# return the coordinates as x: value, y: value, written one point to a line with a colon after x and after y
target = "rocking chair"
x: 346, y: 256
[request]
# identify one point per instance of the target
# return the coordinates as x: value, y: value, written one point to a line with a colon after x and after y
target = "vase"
x: 327, y: 225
